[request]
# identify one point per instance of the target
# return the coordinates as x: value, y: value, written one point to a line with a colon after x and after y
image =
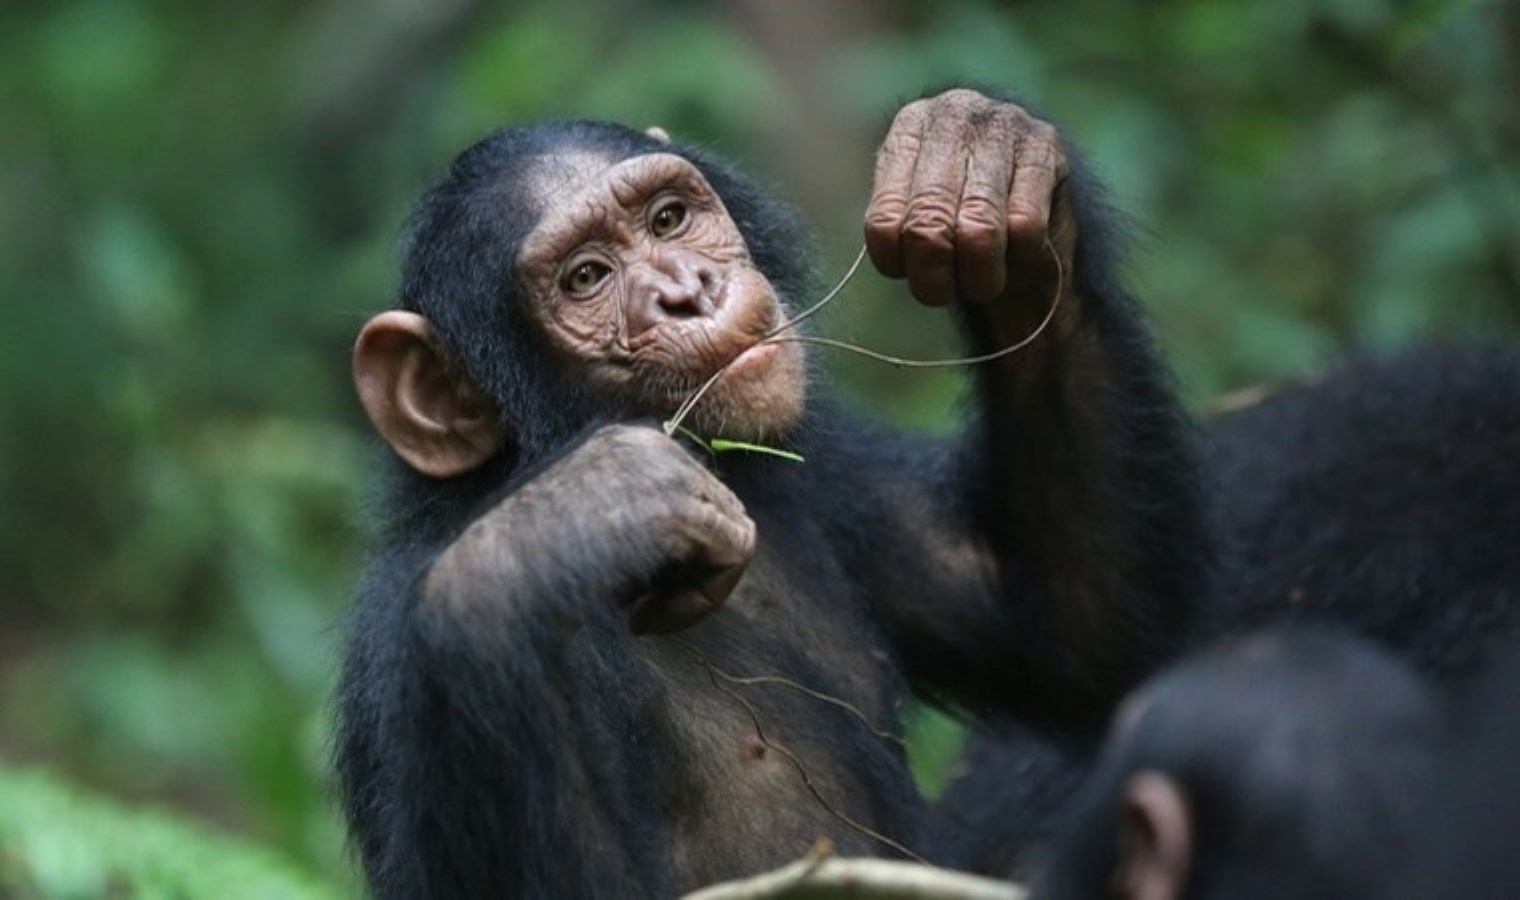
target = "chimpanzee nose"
x: 671, y: 285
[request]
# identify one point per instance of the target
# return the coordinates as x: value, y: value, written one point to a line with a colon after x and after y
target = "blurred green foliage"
x: 57, y: 842
x: 198, y: 204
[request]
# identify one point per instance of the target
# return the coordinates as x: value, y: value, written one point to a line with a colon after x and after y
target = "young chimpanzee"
x: 518, y: 715
x: 1280, y: 765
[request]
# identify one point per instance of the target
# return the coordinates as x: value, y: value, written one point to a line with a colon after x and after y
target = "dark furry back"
x: 1386, y: 497
x: 1383, y: 496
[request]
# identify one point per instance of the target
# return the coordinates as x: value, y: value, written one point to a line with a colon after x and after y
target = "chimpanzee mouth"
x: 754, y: 356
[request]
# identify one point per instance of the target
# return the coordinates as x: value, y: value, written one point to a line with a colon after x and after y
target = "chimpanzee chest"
x: 776, y: 726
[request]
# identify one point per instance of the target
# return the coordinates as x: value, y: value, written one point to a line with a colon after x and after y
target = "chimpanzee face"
x: 645, y: 288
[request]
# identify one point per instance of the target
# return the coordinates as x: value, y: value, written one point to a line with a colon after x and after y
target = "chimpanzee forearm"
x: 1081, y: 475
x: 1071, y: 509
x: 1058, y: 546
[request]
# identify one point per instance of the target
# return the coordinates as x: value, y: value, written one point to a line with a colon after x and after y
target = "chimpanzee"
x: 587, y: 657
x: 1279, y: 765
x: 1382, y: 497
x: 1474, y: 802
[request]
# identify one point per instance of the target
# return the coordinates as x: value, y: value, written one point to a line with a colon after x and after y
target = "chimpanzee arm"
x: 477, y: 761
x: 491, y: 710
x: 1077, y: 484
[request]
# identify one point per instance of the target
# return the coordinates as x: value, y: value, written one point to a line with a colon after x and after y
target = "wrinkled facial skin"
x: 644, y: 286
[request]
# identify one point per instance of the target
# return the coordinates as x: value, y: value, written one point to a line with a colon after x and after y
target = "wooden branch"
x: 819, y: 877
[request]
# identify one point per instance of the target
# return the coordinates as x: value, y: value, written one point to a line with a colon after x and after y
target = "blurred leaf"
x: 192, y: 231
x: 58, y: 843
x: 934, y: 744
x: 97, y: 59
x: 137, y: 273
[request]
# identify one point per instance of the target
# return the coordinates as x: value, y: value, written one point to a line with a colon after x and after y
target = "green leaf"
x: 723, y: 445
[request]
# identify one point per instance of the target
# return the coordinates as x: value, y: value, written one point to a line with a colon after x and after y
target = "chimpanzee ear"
x: 440, y: 425
x: 1156, y: 843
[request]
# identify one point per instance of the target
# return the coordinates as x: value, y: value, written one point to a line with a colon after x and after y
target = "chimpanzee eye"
x: 667, y: 219
x: 584, y: 279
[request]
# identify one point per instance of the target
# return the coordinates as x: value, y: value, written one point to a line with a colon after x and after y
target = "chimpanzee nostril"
x: 674, y: 286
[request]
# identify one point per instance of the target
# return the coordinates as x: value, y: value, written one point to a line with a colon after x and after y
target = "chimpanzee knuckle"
x: 1046, y: 135
x: 900, y: 147
x: 979, y: 218
x: 607, y: 443
x: 908, y: 119
x: 725, y: 501
x: 686, y: 528
x: 745, y: 539
x: 961, y: 99
x: 667, y: 479
x: 930, y: 224
x: 641, y: 439
x: 880, y: 240
x: 1044, y: 156
x: 1026, y: 225
x: 708, y: 523
x: 1061, y: 166
x: 887, y: 210
x: 894, y: 164
x: 650, y: 455
x: 612, y: 433
x: 884, y: 218
x: 726, y: 540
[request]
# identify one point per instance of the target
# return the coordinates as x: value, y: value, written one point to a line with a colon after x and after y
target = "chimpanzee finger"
x: 928, y: 235
x: 889, y: 191
x: 665, y: 613
x: 727, y: 540
x: 707, y: 558
x: 1039, y: 167
x: 668, y: 611
x: 981, y: 222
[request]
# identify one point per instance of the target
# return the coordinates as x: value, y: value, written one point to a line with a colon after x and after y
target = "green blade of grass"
x: 723, y: 445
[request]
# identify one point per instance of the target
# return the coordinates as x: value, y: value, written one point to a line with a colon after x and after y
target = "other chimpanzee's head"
x: 1284, y: 765
x: 566, y: 274
x: 1474, y: 812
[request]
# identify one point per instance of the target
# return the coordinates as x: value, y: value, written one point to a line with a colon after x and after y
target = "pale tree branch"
x: 820, y: 876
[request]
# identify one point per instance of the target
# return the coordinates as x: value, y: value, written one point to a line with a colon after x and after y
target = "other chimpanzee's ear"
x: 440, y: 425
x: 1156, y: 842
x: 658, y: 134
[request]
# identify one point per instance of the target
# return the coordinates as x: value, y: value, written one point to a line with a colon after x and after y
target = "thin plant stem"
x: 777, y: 336
x: 796, y: 761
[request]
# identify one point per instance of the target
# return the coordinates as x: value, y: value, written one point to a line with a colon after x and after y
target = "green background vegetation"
x: 198, y: 205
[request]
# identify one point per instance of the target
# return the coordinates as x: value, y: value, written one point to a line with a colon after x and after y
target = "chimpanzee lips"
x: 756, y: 356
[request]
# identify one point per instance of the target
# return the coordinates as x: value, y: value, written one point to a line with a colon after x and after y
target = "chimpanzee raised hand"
x: 513, y: 719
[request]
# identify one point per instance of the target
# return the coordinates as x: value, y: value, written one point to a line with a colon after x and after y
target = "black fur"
x: 1038, y: 566
x: 1383, y: 497
x: 1470, y: 850
x: 1300, y: 756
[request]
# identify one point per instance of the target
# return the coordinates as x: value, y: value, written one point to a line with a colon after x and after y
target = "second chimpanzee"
x: 1282, y: 765
x: 518, y: 716
x: 1382, y: 497
x: 1473, y: 812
